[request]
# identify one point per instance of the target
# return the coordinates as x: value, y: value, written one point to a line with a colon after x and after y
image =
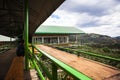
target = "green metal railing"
x: 55, y: 64
x: 37, y: 68
x: 115, y: 62
x: 89, y: 53
x: 101, y: 56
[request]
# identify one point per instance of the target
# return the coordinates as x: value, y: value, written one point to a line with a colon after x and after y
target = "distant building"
x: 55, y: 34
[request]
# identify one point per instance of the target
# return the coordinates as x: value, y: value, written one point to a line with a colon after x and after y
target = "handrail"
x: 93, y: 54
x: 36, y: 66
x: 76, y: 74
x: 38, y: 70
x: 106, y: 57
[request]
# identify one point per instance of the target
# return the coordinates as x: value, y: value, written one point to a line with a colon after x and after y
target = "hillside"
x: 118, y: 37
x: 96, y: 47
x: 99, y: 39
x: 99, y: 45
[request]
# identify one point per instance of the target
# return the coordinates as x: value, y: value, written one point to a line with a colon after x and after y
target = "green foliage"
x: 106, y: 49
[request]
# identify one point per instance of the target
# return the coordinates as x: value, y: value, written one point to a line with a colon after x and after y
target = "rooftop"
x: 57, y: 30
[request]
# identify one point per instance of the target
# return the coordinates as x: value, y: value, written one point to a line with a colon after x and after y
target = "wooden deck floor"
x: 93, y: 69
x: 5, y: 63
x: 16, y: 70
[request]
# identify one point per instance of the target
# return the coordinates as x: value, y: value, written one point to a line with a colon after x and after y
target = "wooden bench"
x: 16, y: 70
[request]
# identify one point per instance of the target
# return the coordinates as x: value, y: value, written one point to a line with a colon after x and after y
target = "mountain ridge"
x: 98, y: 38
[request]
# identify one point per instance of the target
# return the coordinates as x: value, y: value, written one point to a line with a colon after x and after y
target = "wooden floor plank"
x: 5, y: 62
x: 16, y: 71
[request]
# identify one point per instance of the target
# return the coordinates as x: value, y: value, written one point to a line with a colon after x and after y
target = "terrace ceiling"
x: 12, y: 15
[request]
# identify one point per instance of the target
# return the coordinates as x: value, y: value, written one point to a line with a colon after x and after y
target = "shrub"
x: 106, y: 49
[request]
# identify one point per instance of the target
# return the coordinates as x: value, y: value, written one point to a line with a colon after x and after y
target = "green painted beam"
x: 38, y: 70
x: 40, y: 63
x: 33, y: 59
x: 76, y: 74
x: 46, y: 71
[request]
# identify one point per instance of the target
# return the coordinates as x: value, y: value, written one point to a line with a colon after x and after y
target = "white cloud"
x: 102, y: 3
x: 65, y: 19
x: 104, y: 30
x: 92, y: 16
x: 84, y: 2
x: 93, y: 7
x: 85, y: 18
x: 111, y: 19
x: 69, y: 19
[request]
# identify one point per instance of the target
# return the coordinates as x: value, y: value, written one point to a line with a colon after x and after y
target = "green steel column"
x: 54, y: 71
x: 26, y: 26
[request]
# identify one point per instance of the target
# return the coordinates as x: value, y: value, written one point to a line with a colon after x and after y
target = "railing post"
x: 54, y: 71
x: 26, y: 33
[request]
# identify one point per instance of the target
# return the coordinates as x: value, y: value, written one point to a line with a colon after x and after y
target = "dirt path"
x: 5, y: 62
x: 95, y: 70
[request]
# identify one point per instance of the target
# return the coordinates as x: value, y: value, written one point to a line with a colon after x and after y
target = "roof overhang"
x: 12, y: 15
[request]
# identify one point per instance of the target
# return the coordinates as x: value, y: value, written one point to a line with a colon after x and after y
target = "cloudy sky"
x: 91, y: 16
